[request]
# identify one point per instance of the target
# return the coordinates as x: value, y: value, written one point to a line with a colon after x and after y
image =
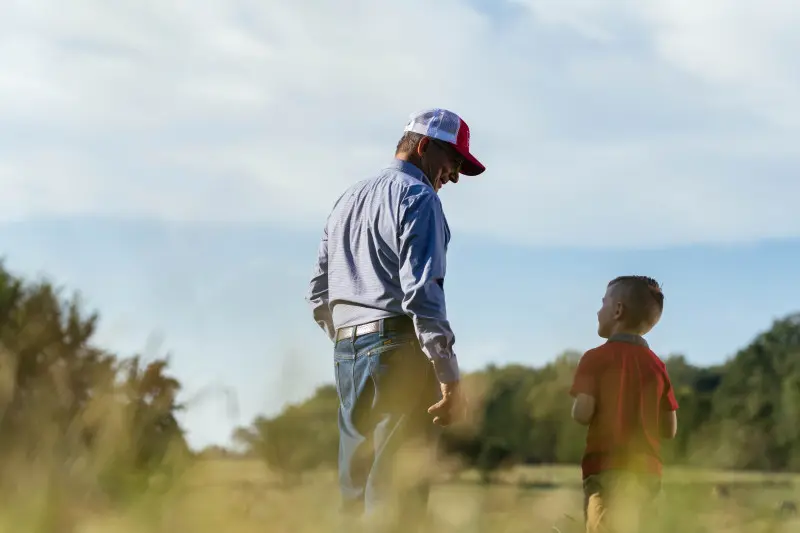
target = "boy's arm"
x: 583, y: 409
x: 669, y: 420
x: 669, y: 425
x: 584, y: 390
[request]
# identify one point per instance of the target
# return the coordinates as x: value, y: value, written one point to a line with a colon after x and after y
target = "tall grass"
x: 242, y: 496
x: 53, y: 481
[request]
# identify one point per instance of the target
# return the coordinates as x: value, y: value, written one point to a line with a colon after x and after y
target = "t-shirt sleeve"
x: 585, y: 379
x: 668, y: 401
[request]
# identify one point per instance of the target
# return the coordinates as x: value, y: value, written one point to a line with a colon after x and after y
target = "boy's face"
x: 608, y: 315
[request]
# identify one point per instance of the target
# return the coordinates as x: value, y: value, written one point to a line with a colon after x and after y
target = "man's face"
x: 609, y: 312
x: 440, y: 162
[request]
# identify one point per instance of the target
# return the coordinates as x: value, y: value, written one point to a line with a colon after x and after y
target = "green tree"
x: 756, y: 403
x: 301, y: 438
x: 64, y: 401
x: 741, y: 414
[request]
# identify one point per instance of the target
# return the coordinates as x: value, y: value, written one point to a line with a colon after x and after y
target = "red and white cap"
x: 446, y: 126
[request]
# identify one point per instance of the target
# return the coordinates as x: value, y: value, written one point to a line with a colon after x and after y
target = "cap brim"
x: 471, y: 166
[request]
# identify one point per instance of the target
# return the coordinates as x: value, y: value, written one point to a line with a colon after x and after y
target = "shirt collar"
x: 629, y: 338
x: 410, y: 169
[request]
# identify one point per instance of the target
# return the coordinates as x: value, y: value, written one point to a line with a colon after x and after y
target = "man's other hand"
x: 451, y: 407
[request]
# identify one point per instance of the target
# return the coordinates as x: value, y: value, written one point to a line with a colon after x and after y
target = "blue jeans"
x: 385, y: 385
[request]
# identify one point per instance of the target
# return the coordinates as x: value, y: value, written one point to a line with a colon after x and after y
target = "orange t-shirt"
x: 631, y: 390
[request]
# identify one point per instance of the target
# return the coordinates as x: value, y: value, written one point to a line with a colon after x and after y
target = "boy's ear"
x: 619, y: 310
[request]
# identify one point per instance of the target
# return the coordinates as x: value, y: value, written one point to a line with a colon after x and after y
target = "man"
x: 378, y: 292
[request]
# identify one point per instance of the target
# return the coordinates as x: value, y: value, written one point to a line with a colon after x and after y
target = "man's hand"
x: 451, y: 407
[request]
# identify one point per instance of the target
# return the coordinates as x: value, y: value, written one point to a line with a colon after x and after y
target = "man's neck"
x: 411, y: 160
x: 408, y: 158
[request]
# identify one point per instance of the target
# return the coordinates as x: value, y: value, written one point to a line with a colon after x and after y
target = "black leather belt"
x: 394, y: 324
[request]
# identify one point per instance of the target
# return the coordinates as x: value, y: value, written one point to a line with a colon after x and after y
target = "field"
x: 240, y: 496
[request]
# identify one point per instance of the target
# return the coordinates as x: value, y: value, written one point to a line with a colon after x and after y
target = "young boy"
x: 621, y: 390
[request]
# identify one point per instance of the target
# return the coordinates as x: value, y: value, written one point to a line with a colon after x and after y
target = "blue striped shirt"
x: 383, y: 253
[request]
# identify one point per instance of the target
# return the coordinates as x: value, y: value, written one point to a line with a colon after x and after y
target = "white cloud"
x: 601, y: 122
x: 743, y: 50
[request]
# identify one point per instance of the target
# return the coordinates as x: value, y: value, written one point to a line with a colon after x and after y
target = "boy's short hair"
x: 642, y: 297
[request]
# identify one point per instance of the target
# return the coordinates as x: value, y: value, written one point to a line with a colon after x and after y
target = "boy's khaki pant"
x: 616, y: 501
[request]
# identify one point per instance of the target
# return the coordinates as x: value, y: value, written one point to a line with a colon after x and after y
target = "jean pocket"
x: 400, y: 373
x: 391, y: 344
x: 343, y: 376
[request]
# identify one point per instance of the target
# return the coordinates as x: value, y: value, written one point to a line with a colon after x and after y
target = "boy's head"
x: 632, y: 304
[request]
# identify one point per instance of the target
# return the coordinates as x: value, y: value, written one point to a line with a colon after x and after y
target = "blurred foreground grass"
x: 240, y: 496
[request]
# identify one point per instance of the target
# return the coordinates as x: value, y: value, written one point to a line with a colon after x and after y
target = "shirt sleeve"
x: 423, y: 237
x: 668, y: 402
x: 585, y: 379
x: 317, y: 295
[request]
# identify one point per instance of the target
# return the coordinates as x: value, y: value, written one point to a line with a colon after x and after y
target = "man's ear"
x: 422, y: 146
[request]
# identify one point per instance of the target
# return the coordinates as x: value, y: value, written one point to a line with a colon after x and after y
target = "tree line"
x: 743, y: 414
x: 72, y: 413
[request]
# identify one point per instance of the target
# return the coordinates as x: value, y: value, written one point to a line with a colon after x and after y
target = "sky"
x: 175, y: 162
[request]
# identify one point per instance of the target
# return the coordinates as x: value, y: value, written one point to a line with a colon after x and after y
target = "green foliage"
x: 302, y: 438
x: 741, y: 415
x: 756, y: 403
x: 70, y: 409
